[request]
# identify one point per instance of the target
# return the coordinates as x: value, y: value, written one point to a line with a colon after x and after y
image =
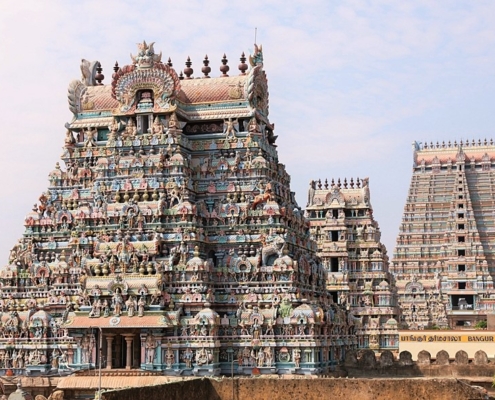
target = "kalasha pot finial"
x: 188, y: 71
x: 224, y: 68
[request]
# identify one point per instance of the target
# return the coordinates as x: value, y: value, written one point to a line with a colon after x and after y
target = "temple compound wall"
x: 309, y: 389
x: 469, y: 342
x: 444, y: 260
x: 168, y: 238
x: 355, y: 260
x: 439, y: 363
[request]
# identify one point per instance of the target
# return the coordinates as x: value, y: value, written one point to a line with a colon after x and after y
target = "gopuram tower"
x: 170, y: 236
x: 444, y: 260
x: 355, y: 260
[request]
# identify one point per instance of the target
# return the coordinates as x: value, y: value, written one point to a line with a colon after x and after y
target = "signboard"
x: 451, y: 341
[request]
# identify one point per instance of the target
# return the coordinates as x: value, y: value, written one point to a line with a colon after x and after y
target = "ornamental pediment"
x: 152, y: 89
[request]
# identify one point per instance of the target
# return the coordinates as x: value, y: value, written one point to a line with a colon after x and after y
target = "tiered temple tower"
x: 355, y: 260
x: 445, y: 254
x: 171, y: 238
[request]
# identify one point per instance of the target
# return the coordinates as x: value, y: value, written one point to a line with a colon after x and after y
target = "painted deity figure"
x: 85, y: 346
x: 113, y: 128
x: 117, y: 303
x: 229, y: 128
x: 261, y: 358
x: 90, y: 137
x: 131, y: 306
x: 20, y: 359
x: 297, y: 357
x: 106, y: 308
x: 188, y: 357
x: 169, y: 358
x: 141, y: 305
x: 268, y: 356
x: 150, y: 346
x: 157, y: 128
x: 173, y: 122
x: 55, y: 358
x: 202, y: 356
x: 130, y: 130
x: 69, y: 138
x: 96, y: 309
x: 254, y: 127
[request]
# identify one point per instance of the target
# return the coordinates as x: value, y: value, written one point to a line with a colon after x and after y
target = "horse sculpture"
x: 274, y: 245
x: 263, y: 197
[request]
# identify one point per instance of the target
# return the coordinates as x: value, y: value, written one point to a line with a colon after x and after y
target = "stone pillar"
x: 128, y: 353
x: 70, y: 354
x: 159, y: 352
x: 78, y: 355
x: 109, y: 338
x: 77, y: 358
x: 143, y: 348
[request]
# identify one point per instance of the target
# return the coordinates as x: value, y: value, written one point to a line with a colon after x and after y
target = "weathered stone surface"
x: 368, y: 359
x: 308, y: 389
x: 442, y: 358
x: 461, y: 357
x: 351, y: 359
x: 387, y: 359
x: 490, y: 320
x: 424, y: 358
x: 405, y: 358
x: 480, y: 358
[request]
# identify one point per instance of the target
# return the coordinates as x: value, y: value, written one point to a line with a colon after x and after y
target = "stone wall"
x: 367, y: 364
x: 195, y: 389
x: 308, y: 389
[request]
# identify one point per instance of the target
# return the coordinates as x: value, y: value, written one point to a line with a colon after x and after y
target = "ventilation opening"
x: 461, y: 252
x: 461, y: 267
x: 334, y: 264
x: 335, y: 296
x: 462, y: 302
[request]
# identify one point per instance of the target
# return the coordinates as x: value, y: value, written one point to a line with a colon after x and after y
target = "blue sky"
x: 352, y: 83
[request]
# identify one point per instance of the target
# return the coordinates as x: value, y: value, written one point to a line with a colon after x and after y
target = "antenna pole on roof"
x: 255, y: 32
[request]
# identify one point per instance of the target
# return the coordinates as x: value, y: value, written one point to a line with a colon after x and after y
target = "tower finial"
x: 243, y: 66
x: 188, y: 71
x: 206, y: 69
x: 224, y: 68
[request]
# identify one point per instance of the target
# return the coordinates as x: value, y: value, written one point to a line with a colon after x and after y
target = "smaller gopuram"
x: 444, y: 258
x: 356, y: 262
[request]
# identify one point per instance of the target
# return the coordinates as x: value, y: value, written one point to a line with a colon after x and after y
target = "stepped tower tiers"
x: 444, y: 261
x: 173, y: 231
x: 355, y: 261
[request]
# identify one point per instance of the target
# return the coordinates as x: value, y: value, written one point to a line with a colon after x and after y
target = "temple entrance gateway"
x: 174, y: 230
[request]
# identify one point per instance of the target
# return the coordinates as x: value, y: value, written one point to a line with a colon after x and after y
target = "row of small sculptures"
x: 22, y: 358
x: 117, y: 305
x: 31, y: 327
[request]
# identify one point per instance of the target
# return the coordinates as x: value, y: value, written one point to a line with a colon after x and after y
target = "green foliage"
x: 481, y: 325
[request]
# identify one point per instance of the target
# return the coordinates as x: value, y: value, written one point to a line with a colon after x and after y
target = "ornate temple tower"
x: 171, y: 236
x: 356, y: 262
x: 444, y: 258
